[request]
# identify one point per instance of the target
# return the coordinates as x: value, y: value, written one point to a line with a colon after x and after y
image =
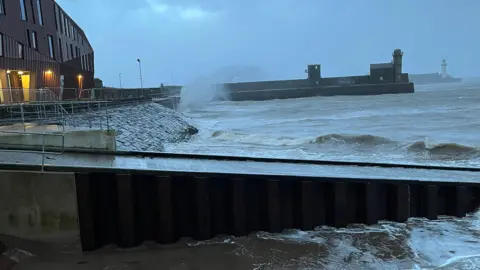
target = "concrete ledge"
x: 38, y: 206
x: 71, y: 139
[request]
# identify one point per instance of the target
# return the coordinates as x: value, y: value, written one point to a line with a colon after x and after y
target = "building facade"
x: 41, y: 47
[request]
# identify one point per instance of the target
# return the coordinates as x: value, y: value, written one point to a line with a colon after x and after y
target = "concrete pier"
x: 303, y: 92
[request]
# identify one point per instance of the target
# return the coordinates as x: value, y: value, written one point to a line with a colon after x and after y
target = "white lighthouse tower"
x: 444, y: 69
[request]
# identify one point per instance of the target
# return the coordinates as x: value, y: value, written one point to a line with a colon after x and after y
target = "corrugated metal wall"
x: 127, y: 209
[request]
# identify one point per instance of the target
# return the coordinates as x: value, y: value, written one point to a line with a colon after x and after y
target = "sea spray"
x: 208, y: 88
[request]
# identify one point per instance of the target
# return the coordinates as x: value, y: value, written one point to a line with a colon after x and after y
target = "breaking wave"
x: 444, y: 149
x: 285, y: 140
x: 365, y: 139
x: 440, y: 150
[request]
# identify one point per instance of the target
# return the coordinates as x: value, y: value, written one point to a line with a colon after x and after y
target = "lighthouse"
x: 444, y: 69
x: 397, y: 65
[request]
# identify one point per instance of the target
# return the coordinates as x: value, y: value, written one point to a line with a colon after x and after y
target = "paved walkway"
x: 235, y: 167
x: 36, y: 128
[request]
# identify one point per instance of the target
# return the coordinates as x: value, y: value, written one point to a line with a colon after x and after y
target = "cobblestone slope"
x: 140, y: 127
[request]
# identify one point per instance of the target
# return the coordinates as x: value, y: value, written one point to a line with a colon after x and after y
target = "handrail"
x: 62, y: 135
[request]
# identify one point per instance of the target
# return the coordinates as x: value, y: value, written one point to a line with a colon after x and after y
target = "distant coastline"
x: 431, y: 78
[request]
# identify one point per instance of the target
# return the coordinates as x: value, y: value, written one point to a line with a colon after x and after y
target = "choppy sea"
x: 438, y: 125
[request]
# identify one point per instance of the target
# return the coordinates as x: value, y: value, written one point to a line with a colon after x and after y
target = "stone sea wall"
x: 139, y: 127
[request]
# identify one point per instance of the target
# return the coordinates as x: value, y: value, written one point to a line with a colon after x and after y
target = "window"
x: 23, y: 10
x: 34, y: 40
x: 71, y: 52
x: 67, y: 56
x: 2, y: 7
x: 39, y: 10
x: 50, y: 47
x: 60, y: 49
x: 33, y: 11
x: 90, y: 64
x: 20, y: 50
x: 56, y: 17
x: 67, y: 31
x: 62, y: 22
x: 66, y: 25
x: 1, y: 42
x: 71, y: 31
x: 28, y: 38
x: 81, y: 60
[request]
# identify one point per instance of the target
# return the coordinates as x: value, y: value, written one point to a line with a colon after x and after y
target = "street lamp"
x: 140, y: 68
x: 80, y: 85
x: 120, y: 79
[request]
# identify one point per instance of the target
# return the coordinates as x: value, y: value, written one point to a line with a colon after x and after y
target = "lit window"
x: 20, y: 50
x: 2, y: 7
x: 39, y: 10
x: 23, y: 10
x: 50, y: 47
x: 34, y: 40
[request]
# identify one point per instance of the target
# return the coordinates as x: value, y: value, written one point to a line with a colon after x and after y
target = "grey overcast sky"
x: 179, y: 40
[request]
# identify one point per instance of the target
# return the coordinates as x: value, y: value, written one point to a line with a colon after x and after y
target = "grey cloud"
x: 279, y: 36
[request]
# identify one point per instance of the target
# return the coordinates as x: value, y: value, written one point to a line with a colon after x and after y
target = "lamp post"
x: 141, y: 78
x: 140, y: 69
x: 80, y: 85
x: 120, y: 79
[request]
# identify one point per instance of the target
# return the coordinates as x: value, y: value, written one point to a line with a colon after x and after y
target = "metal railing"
x: 32, y: 148
x: 48, y: 119
x: 171, y: 101
x: 60, y: 113
x: 20, y: 95
x: 51, y: 94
